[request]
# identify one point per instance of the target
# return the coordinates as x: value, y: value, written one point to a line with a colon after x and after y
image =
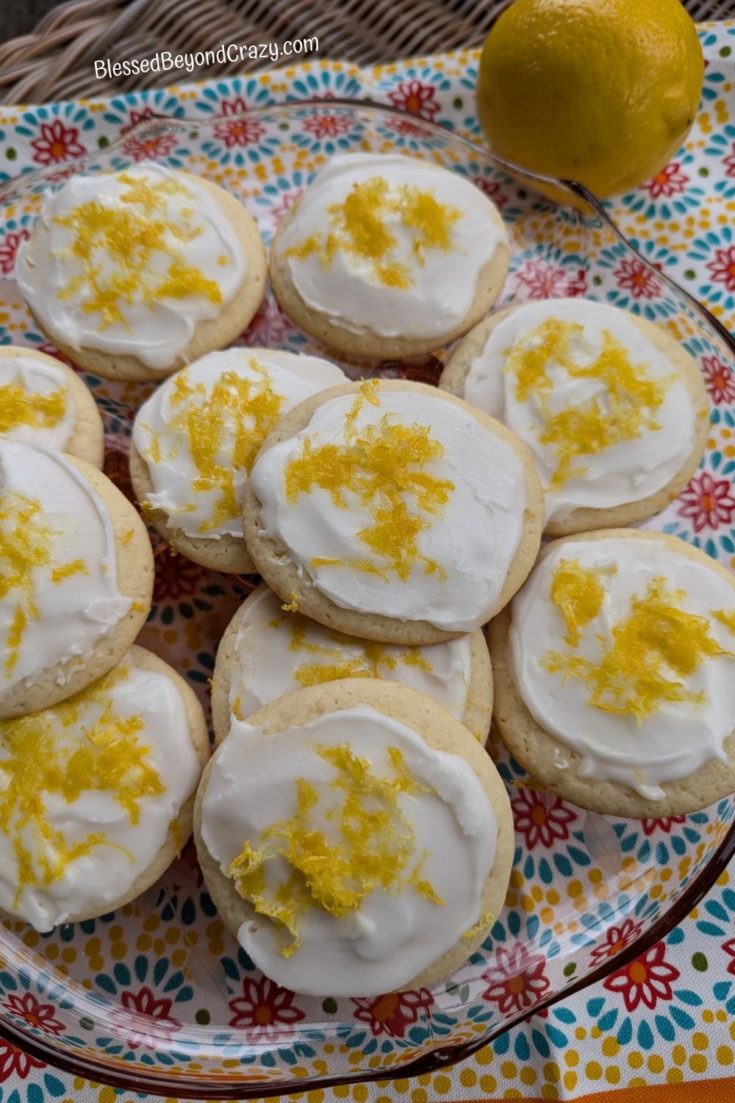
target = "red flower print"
x: 391, y: 1014
x: 56, y: 143
x: 722, y: 268
x: 719, y: 380
x: 708, y: 502
x: 327, y: 126
x: 136, y: 117
x: 634, y: 276
x: 541, y: 817
x: 492, y: 190
x: 8, y: 248
x: 729, y: 162
x: 616, y: 939
x: 408, y: 129
x: 143, y: 149
x: 144, y: 1003
x: 729, y: 948
x: 416, y: 98
x: 664, y: 824
x: 14, y: 1062
x: 264, y: 1008
x: 268, y: 328
x: 176, y: 576
x: 516, y: 980
x: 40, y: 1015
x: 548, y: 281
x: 62, y: 174
x: 287, y: 201
x: 51, y: 350
x: 646, y: 980
x: 669, y: 181
x: 241, y: 131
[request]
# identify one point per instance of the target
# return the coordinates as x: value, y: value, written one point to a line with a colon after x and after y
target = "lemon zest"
x: 369, y: 663
x: 578, y: 595
x: 248, y: 408
x: 19, y: 406
x: 645, y: 662
x: 728, y: 619
x: 119, y: 246
x: 25, y: 547
x: 360, y: 227
x: 371, y: 846
x: 384, y: 466
x: 592, y: 426
x: 57, y: 752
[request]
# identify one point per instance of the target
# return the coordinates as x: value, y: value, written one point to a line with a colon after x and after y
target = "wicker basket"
x: 56, y: 62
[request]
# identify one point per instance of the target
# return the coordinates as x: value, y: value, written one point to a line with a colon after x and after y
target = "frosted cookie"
x: 387, y: 256
x: 393, y: 512
x: 133, y: 274
x: 195, y: 439
x: 97, y: 793
x: 355, y: 838
x: 45, y: 403
x: 613, y: 409
x: 76, y: 575
x: 267, y: 651
x: 614, y: 674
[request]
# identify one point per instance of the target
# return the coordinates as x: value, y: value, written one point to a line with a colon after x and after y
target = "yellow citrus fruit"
x: 599, y: 91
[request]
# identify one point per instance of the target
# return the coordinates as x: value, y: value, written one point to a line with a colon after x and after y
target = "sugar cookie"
x: 355, y: 838
x: 392, y: 511
x: 267, y: 651
x: 613, y: 408
x: 98, y: 793
x: 614, y: 674
x: 45, y: 403
x: 76, y: 575
x: 387, y: 256
x: 195, y: 438
x: 135, y: 273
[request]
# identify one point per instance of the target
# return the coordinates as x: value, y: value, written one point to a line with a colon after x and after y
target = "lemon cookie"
x: 387, y: 256
x: 267, y: 651
x: 76, y: 575
x: 135, y: 273
x: 98, y: 793
x: 355, y: 839
x: 614, y: 674
x: 391, y: 511
x: 612, y: 407
x: 43, y: 402
x: 195, y: 438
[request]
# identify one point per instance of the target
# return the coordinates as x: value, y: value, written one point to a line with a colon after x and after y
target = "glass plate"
x: 157, y: 996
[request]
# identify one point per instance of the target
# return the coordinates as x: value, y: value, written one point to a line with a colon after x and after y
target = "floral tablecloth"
x: 667, y: 1021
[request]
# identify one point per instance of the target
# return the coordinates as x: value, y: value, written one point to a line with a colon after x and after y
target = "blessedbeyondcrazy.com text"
x: 168, y: 62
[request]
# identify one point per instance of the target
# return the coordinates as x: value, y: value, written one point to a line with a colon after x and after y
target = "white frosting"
x: 63, y: 619
x: 389, y: 938
x: 625, y: 472
x: 104, y: 874
x: 272, y: 648
x: 154, y: 324
x: 472, y: 538
x: 37, y: 378
x: 443, y: 282
x: 680, y: 736
x: 162, y: 421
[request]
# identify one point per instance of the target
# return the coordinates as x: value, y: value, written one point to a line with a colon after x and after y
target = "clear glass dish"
x: 157, y: 997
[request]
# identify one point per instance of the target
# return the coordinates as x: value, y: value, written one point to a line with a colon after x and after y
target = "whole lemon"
x: 599, y: 91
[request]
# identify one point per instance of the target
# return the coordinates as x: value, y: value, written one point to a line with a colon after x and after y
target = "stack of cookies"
x: 102, y: 743
x: 351, y: 827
